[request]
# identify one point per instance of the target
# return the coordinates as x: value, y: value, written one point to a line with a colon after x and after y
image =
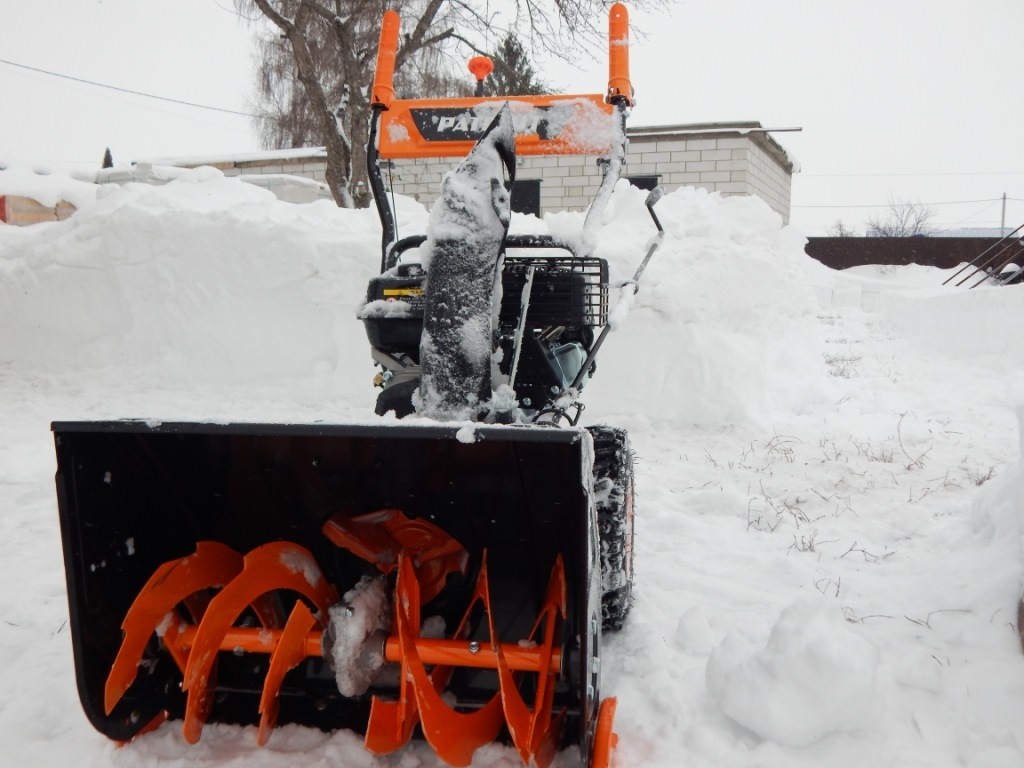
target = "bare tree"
x: 901, y: 219
x: 839, y: 229
x: 314, y: 75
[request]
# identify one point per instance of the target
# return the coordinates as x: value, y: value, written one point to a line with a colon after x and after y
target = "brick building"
x: 730, y: 158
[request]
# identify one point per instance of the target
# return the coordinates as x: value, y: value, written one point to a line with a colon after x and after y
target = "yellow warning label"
x: 403, y: 291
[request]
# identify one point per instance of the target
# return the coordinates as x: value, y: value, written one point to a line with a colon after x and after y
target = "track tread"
x: 614, y: 491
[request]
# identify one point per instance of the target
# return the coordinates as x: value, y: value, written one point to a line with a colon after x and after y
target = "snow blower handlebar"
x: 652, y: 199
x: 387, y: 55
x: 553, y: 124
x: 619, y: 85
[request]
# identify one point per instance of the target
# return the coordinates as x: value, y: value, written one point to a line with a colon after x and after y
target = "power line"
x: 126, y: 90
x: 976, y: 213
x: 176, y: 114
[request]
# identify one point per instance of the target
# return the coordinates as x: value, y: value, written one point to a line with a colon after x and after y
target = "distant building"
x: 972, y: 232
x: 976, y: 232
x: 730, y: 158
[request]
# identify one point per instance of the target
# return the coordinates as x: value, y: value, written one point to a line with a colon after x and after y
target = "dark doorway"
x: 526, y: 196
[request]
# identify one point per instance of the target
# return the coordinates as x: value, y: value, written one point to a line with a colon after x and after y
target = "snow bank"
x: 203, y: 277
x: 44, y: 187
x: 949, y: 323
x: 718, y: 331
x: 208, y: 279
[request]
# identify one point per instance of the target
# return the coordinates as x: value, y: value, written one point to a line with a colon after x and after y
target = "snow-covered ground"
x: 831, y: 496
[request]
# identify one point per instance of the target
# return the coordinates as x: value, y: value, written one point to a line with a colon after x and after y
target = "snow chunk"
x: 397, y: 132
x: 384, y: 308
x: 363, y: 613
x: 298, y: 561
x: 813, y: 677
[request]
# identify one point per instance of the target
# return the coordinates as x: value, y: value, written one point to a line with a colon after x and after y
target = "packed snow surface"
x: 828, y: 556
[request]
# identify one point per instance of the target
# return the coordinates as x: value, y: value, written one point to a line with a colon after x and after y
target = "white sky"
x: 912, y: 99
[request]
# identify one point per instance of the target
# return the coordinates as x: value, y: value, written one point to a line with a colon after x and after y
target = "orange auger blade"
x: 174, y: 582
x: 380, y: 537
x: 535, y: 733
x: 274, y: 566
x: 391, y: 722
x: 290, y: 652
x: 455, y: 736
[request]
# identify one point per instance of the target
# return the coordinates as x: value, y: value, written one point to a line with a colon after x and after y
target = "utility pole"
x: 1002, y: 222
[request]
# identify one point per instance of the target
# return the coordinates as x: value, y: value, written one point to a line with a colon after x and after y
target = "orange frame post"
x: 384, y: 77
x: 619, y: 85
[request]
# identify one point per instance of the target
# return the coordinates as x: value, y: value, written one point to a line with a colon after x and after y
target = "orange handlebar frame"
x: 384, y: 78
x: 619, y: 85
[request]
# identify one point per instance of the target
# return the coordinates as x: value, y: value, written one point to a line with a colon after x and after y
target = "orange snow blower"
x: 444, y: 578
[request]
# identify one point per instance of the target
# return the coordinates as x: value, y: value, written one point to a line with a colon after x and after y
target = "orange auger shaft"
x: 450, y: 653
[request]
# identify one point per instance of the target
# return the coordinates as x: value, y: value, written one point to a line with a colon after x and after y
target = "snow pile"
x: 158, y: 276
x: 777, y: 690
x: 44, y: 187
x: 208, y: 278
x: 717, y: 331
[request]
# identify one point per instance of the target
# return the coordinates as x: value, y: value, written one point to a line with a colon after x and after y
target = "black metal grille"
x: 567, y: 291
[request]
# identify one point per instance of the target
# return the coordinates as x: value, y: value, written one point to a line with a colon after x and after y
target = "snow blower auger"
x: 444, y: 578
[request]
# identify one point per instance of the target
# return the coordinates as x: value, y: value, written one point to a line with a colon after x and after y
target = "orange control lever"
x: 481, y: 66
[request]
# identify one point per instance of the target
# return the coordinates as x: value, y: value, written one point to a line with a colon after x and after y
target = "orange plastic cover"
x: 545, y: 125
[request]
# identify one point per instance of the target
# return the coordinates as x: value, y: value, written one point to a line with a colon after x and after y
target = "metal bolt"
x: 474, y: 646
